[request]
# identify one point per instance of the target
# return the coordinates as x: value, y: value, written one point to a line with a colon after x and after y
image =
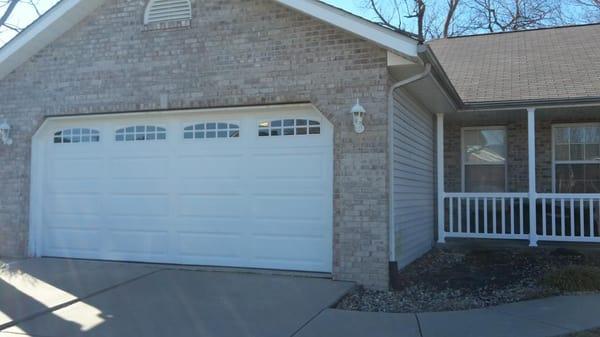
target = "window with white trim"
x: 289, y: 127
x: 577, y: 158
x: 77, y: 135
x: 484, y: 159
x: 211, y: 130
x: 167, y: 10
x: 140, y: 133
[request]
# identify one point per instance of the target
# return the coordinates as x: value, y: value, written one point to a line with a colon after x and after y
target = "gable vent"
x: 167, y: 10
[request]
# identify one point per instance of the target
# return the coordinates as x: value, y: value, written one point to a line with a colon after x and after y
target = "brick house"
x: 288, y: 135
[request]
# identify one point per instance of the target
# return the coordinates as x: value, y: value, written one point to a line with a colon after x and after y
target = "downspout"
x: 392, y: 229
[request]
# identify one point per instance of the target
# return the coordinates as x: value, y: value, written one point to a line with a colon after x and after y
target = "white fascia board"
x: 390, y: 40
x: 57, y: 21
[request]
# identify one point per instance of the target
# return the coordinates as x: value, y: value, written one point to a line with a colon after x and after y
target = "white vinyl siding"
x: 167, y: 10
x: 414, y: 180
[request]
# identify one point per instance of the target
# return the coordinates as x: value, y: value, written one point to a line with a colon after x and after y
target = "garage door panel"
x: 290, y: 228
x: 145, y: 205
x: 242, y: 200
x: 139, y: 186
x: 74, y: 168
x: 288, y: 207
x: 211, y: 206
x: 139, y: 168
x: 209, y: 167
x: 282, y: 165
x: 287, y: 187
x: 74, y: 204
x: 80, y: 186
x: 287, y: 248
x: 208, y: 246
x: 72, y: 239
x: 207, y: 187
x: 210, y: 225
x: 75, y: 221
x: 137, y: 242
x: 135, y: 223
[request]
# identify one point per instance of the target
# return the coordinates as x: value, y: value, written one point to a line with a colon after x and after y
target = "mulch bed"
x: 455, y: 279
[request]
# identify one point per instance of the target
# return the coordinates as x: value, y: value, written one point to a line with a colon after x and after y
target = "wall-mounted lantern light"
x: 5, y: 133
x: 358, y: 113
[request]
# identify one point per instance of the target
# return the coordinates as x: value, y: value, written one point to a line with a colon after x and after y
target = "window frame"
x: 136, y: 141
x: 93, y: 131
x: 463, y: 163
x: 282, y: 127
x: 568, y: 162
x: 193, y: 124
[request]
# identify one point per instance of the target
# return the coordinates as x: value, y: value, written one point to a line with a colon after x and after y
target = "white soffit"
x: 50, y: 26
x: 390, y: 40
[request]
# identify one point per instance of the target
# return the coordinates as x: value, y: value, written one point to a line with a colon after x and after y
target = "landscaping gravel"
x: 453, y: 279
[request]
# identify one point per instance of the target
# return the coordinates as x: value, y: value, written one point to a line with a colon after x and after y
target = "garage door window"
x: 211, y: 130
x: 77, y: 135
x: 140, y: 133
x: 289, y: 127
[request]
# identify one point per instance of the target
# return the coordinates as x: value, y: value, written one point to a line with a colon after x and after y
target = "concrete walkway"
x: 538, y: 318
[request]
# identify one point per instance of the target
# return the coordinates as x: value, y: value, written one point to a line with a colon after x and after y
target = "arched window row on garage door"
x: 289, y: 127
x: 211, y: 130
x: 77, y: 135
x: 140, y: 133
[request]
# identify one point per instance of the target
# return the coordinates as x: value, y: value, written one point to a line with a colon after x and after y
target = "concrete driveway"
x: 63, y: 298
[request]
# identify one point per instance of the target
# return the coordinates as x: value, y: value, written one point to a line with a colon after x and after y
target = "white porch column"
x: 440, y: 179
x: 532, y: 180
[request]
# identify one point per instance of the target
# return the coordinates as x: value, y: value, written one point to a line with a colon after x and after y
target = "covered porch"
x: 522, y: 174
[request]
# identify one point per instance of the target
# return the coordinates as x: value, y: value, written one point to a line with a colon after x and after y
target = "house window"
x: 577, y: 158
x: 211, y: 130
x: 77, y: 135
x: 167, y: 10
x: 289, y: 127
x: 140, y: 133
x: 484, y: 159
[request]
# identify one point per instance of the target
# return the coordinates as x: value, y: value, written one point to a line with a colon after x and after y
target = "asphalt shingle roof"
x: 556, y: 63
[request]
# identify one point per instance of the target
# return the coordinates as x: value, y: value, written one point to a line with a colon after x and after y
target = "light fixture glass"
x: 358, y: 113
x: 5, y: 133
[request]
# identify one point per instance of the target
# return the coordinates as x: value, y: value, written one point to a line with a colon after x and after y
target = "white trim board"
x: 67, y: 13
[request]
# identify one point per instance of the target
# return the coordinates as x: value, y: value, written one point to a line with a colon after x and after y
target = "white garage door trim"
x: 45, y: 132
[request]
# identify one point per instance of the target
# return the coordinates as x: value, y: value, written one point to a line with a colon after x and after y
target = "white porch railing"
x: 557, y: 217
x: 486, y: 215
x: 569, y: 217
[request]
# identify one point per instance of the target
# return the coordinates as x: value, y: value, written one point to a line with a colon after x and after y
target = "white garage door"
x: 244, y: 188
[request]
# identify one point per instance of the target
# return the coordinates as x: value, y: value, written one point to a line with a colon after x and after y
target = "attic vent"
x: 167, y: 10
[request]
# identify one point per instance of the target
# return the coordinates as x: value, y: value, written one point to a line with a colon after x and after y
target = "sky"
x: 25, y: 13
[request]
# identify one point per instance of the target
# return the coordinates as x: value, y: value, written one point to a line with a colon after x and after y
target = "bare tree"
x: 590, y: 10
x: 427, y: 15
x: 7, y: 9
x: 452, y: 6
x: 513, y: 15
